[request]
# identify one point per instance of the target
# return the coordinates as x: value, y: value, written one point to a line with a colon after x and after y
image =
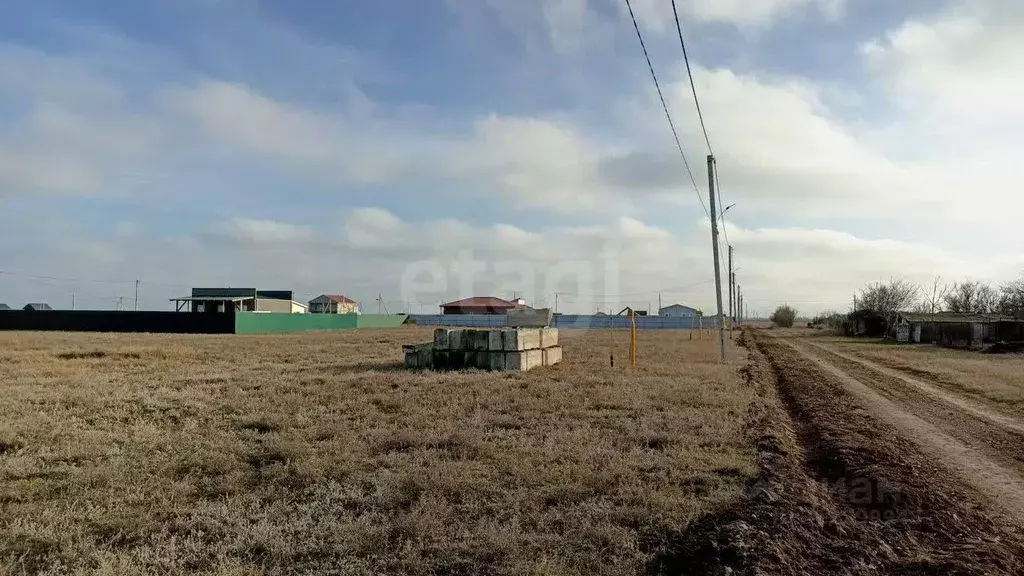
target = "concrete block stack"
x: 505, y: 349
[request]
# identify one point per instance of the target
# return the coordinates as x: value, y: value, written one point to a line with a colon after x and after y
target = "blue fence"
x: 568, y: 321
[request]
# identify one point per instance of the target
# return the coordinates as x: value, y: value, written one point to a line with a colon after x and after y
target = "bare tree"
x: 889, y: 299
x: 1011, y: 299
x: 932, y: 301
x: 972, y: 296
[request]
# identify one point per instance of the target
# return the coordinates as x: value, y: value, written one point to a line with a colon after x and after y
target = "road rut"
x: 997, y: 479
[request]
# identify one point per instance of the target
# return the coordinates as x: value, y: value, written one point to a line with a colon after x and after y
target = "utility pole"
x: 136, y: 295
x: 732, y: 284
x: 556, y: 302
x: 72, y: 300
x: 739, y: 305
x: 659, y: 303
x: 714, y: 249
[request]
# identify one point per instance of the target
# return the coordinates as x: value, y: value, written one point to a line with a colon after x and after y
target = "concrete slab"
x: 441, y: 336
x: 476, y: 359
x: 478, y: 340
x: 522, y: 339
x: 534, y: 318
x: 419, y: 355
x: 495, y: 340
x: 524, y: 360
x: 455, y: 340
x: 440, y: 359
x: 548, y: 337
x: 495, y: 360
x: 552, y: 355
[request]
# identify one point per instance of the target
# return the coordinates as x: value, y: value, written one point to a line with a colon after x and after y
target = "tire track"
x: 999, y: 438
x: 974, y: 407
x: 1002, y: 488
x: 944, y: 509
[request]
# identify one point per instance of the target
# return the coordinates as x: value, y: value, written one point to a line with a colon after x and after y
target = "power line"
x: 718, y: 186
x: 664, y: 106
x: 700, y: 115
x: 693, y: 87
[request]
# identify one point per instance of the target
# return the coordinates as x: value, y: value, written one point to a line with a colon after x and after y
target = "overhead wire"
x: 664, y: 106
x: 689, y: 73
x: 703, y: 126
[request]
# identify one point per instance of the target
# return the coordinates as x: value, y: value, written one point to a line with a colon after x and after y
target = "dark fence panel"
x: 118, y: 321
x: 569, y: 321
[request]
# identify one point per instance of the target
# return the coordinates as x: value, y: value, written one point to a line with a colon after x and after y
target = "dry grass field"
x: 317, y: 453
x: 994, y: 377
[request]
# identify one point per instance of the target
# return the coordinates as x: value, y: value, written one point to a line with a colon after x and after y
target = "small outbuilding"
x: 4, y: 307
x: 679, y: 311
x: 864, y: 323
x: 230, y: 300
x: 961, y: 330
x: 37, y: 307
x: 482, y: 305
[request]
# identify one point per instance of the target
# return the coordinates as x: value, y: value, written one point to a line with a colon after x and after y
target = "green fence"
x: 272, y: 323
x: 380, y: 320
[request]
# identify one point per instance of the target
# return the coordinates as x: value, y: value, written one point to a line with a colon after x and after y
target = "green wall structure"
x: 380, y: 320
x: 273, y: 323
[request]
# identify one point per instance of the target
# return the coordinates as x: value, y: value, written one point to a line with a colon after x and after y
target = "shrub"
x: 784, y: 316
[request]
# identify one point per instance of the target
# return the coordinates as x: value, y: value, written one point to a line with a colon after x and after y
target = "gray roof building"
x: 37, y: 306
x: 4, y: 306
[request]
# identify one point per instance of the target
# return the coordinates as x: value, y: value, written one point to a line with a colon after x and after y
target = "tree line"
x: 897, y: 295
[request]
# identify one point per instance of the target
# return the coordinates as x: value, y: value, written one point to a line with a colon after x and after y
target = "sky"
x: 419, y: 152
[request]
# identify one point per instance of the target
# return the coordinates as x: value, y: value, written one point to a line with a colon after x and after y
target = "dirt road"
x: 918, y: 478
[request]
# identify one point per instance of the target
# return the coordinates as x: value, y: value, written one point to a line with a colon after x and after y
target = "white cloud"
x: 749, y: 15
x: 619, y: 262
x: 960, y: 68
x: 71, y: 135
x: 265, y: 231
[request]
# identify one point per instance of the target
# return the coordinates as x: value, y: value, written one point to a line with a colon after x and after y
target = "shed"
x: 864, y: 323
x: 37, y: 307
x: 4, y: 306
x: 961, y: 329
x: 221, y: 300
x: 480, y: 305
x: 679, y: 311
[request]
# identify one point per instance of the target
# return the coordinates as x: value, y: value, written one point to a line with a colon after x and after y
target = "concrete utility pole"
x: 739, y: 305
x: 556, y: 302
x: 714, y: 249
x: 732, y: 285
x: 136, y: 295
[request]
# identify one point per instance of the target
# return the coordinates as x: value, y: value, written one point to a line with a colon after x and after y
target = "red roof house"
x: 480, y: 305
x: 333, y: 304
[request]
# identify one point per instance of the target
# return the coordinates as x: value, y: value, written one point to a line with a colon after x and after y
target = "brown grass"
x: 316, y: 453
x: 994, y: 377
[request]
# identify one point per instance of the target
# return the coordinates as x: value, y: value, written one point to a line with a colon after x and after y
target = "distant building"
x: 960, y: 329
x: 625, y: 312
x: 36, y: 307
x: 221, y: 300
x: 4, y: 306
x: 679, y: 311
x: 482, y: 305
x: 333, y: 304
x: 864, y: 322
